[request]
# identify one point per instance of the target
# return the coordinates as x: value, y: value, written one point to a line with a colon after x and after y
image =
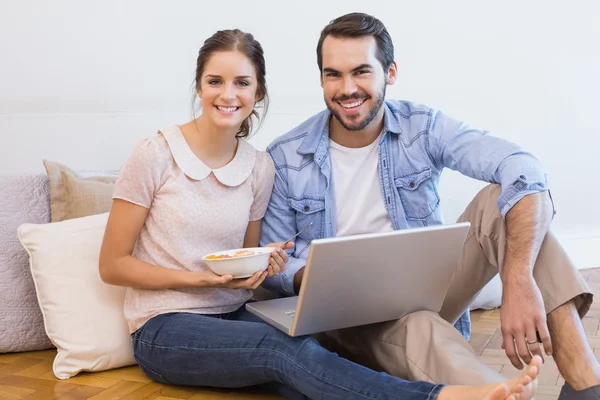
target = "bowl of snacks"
x: 240, y: 263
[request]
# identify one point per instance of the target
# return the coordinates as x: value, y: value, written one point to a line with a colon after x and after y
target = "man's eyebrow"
x: 361, y: 66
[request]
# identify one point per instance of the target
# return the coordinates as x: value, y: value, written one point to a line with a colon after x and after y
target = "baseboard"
x: 583, y: 249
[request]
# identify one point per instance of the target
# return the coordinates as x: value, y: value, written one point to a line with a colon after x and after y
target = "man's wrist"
x: 515, y: 274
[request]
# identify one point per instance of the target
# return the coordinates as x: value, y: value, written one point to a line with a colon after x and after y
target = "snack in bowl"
x: 240, y: 263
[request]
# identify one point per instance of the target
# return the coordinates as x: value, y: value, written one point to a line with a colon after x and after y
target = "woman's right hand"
x: 210, y: 279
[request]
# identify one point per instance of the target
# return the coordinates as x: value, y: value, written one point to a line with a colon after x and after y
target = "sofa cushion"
x: 83, y: 316
x: 73, y: 195
x: 23, y: 199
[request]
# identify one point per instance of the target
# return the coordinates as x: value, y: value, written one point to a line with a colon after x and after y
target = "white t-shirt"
x: 359, y: 203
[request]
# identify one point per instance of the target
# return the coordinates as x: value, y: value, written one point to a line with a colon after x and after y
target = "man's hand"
x: 522, y: 316
x: 298, y: 280
x: 278, y: 257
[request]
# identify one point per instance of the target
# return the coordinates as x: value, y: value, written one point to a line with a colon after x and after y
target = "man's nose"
x: 348, y: 87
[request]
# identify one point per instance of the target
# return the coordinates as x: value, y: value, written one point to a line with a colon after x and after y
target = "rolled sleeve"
x: 520, y: 175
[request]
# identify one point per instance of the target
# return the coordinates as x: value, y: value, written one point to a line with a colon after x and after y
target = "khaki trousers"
x: 426, y: 346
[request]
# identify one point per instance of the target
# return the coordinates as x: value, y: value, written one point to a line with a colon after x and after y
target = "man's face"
x: 353, y: 80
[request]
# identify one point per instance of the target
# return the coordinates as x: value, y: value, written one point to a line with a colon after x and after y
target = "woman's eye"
x: 243, y: 83
x: 213, y: 82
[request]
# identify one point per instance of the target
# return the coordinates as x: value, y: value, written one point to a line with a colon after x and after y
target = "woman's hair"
x: 232, y: 40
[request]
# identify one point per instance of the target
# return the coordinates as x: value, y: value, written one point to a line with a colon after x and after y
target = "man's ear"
x: 321, y: 78
x: 392, y: 73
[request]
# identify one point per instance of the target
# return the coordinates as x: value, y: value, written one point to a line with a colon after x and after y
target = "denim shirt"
x: 417, y: 143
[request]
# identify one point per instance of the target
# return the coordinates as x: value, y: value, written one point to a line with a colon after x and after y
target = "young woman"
x: 198, y: 188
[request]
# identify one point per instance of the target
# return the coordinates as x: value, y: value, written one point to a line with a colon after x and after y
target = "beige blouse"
x: 193, y: 211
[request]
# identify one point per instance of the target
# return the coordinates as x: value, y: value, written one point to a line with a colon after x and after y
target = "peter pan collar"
x: 232, y: 174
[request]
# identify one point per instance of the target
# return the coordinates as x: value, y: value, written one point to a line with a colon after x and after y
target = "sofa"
x: 46, y: 286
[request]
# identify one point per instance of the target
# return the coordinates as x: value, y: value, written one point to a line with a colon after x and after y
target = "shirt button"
x: 306, y: 208
x: 412, y: 185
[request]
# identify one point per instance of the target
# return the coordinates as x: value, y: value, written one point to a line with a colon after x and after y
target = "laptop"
x: 363, y: 279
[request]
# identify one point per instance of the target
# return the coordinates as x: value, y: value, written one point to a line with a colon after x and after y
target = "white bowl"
x: 242, y: 266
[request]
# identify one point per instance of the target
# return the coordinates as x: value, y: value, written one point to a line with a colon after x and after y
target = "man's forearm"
x: 284, y: 282
x: 527, y: 224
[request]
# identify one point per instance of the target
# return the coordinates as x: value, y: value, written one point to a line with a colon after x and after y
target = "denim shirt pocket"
x: 310, y: 209
x: 418, y: 194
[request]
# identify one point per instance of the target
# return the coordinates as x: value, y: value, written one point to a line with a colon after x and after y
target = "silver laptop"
x: 364, y: 279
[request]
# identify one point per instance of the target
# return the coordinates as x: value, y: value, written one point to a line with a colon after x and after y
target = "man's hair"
x: 357, y: 25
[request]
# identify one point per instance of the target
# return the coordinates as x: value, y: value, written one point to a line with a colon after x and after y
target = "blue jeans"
x: 238, y: 350
x: 463, y: 325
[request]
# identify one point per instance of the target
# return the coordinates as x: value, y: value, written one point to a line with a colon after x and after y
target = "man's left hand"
x: 278, y: 258
x: 522, y: 316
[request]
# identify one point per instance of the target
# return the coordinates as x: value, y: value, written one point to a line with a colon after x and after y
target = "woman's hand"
x: 278, y: 258
x: 277, y: 263
x: 210, y: 279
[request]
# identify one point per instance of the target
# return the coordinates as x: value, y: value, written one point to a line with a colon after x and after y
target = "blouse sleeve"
x: 265, y: 175
x: 139, y: 177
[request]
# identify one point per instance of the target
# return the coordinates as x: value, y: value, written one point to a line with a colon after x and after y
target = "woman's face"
x: 228, y: 89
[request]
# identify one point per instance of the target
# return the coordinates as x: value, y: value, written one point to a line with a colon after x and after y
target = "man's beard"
x: 359, y: 125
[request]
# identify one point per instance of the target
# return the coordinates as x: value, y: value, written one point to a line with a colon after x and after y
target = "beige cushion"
x: 73, y: 196
x: 83, y: 316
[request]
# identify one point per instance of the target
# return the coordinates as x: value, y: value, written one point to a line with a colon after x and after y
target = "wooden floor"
x: 29, y: 375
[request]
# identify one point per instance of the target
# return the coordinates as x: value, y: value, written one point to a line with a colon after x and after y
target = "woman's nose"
x: 228, y: 92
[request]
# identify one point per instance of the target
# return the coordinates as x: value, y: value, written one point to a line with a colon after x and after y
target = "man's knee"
x: 421, y: 317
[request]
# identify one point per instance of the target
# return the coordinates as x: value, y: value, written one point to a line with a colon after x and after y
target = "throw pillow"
x: 74, y: 196
x: 83, y: 316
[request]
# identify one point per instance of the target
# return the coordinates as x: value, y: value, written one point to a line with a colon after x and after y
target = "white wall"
x: 82, y: 81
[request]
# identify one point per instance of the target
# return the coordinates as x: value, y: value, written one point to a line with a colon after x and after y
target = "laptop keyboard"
x: 290, y: 313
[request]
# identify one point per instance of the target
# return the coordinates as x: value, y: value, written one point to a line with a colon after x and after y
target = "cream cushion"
x: 83, y: 316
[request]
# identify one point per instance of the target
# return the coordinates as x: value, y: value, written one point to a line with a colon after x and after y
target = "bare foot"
x: 522, y: 387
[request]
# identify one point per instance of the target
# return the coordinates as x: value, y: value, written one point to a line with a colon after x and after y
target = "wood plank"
x: 17, y: 365
x: 38, y: 369
x: 14, y: 392
x: 41, y: 395
x: 85, y: 379
x: 118, y: 391
x: 80, y: 393
x: 146, y: 392
x: 37, y: 384
x: 479, y: 341
x: 590, y: 325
